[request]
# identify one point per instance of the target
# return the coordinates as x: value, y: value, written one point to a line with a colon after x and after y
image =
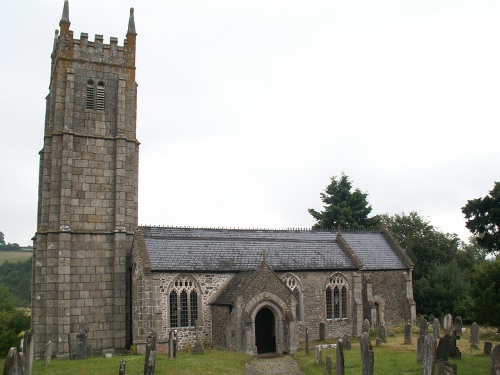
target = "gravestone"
x: 123, y: 364
x: 447, y: 368
x: 378, y: 342
x: 48, y: 353
x: 367, y: 357
x: 150, y: 348
x: 443, y: 348
x: 454, y: 351
x: 13, y: 364
x: 431, y: 319
x: 487, y: 348
x: 172, y: 344
x: 151, y: 366
x: 448, y: 323
x: 339, y: 352
x: 346, y: 344
x: 307, y: 341
x: 428, y: 355
x: 382, y: 332
x: 436, y: 329
x: 328, y: 366
x: 474, y: 336
x: 407, y: 334
x: 458, y: 325
x: 319, y: 354
x: 28, y: 352
x: 82, y: 351
x: 366, y: 326
x: 423, y: 326
x: 198, y: 346
x: 495, y: 361
x: 322, y: 331
x: 420, y: 348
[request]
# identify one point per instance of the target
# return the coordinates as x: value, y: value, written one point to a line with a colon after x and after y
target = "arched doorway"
x: 265, y: 331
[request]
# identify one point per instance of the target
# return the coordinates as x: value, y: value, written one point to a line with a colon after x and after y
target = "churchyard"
x: 397, y: 355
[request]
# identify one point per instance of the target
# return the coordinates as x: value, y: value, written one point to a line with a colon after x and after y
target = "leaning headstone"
x: 447, y: 323
x: 366, y: 326
x: 382, y: 332
x: 81, y: 344
x: 420, y: 348
x: 447, y: 368
x: 48, y: 353
x: 423, y: 326
x: 123, y: 363
x: 366, y: 359
x: 328, y: 366
x: 151, y: 367
x: 474, y: 336
x: 495, y: 361
x: 487, y: 348
x: 340, y: 357
x: 436, y: 329
x: 319, y: 354
x: 407, y: 334
x: 307, y: 342
x: 454, y: 351
x: 13, y: 364
x: 28, y: 352
x: 346, y: 343
x: 458, y: 325
x: 428, y: 355
x: 443, y: 348
x: 431, y: 319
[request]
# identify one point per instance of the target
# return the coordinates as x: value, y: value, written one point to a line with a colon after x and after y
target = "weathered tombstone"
x: 382, y: 332
x: 428, y: 354
x: 431, y: 319
x: 447, y: 323
x: 447, y: 368
x: 198, y: 346
x: 366, y: 326
x: 487, y: 348
x: 172, y: 344
x: 123, y: 363
x: 372, y: 362
x: 346, y: 343
x: 307, y: 342
x: 407, y: 334
x: 364, y: 343
x: 495, y: 361
x: 150, y: 348
x: 443, y: 348
x: 339, y: 352
x: 151, y: 367
x: 423, y: 326
x: 81, y: 344
x: 48, y: 353
x: 28, y: 352
x: 328, y: 366
x: 13, y: 363
x: 420, y: 348
x: 322, y: 334
x: 436, y: 329
x: 319, y: 354
x: 458, y: 326
x: 474, y: 336
x: 378, y: 342
x: 454, y: 351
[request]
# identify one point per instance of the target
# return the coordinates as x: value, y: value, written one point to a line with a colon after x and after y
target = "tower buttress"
x: 88, y: 193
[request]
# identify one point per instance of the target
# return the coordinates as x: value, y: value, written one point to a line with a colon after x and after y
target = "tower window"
x: 95, y: 96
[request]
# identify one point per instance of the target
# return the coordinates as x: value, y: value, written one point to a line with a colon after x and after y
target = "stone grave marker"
x: 423, y: 326
x: 487, y: 348
x: 474, y: 336
x: 172, y: 344
x: 431, y: 319
x: 198, y: 346
x: 82, y: 351
x: 458, y: 325
x: 346, y: 343
x: 443, y: 348
x: 367, y: 356
x: 123, y: 364
x: 150, y: 348
x: 436, y: 329
x: 151, y: 366
x: 366, y: 326
x: 13, y: 364
x: 420, y: 348
x: 307, y: 341
x: 447, y: 323
x: 407, y: 334
x: 319, y: 354
x: 328, y: 366
x: 428, y: 354
x: 339, y: 353
x: 382, y: 332
x: 28, y: 352
x: 48, y: 353
x: 454, y: 351
x: 447, y: 368
x: 495, y: 361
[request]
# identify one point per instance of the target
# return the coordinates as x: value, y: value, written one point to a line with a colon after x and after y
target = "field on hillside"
x: 14, y: 256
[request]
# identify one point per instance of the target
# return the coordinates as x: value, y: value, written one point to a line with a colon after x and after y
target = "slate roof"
x: 233, y: 250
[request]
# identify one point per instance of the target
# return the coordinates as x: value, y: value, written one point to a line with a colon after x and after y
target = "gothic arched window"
x: 183, y: 302
x: 293, y: 283
x: 336, y: 297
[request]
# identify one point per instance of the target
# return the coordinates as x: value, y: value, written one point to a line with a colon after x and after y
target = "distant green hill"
x: 15, y: 256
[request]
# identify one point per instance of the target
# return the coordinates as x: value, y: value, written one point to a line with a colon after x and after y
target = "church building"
x: 96, y: 270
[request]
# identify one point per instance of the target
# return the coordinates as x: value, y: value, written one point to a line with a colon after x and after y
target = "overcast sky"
x: 247, y: 108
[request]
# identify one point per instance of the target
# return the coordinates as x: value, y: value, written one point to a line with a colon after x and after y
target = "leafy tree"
x: 6, y: 299
x: 483, y: 219
x: 343, y: 207
x: 16, y: 277
x: 2, y: 238
x: 8, y: 246
x: 484, y: 293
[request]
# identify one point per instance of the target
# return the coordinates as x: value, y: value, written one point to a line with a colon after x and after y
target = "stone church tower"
x: 87, y: 199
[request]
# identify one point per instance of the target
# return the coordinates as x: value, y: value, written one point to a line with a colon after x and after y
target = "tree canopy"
x: 8, y: 246
x: 483, y: 219
x: 343, y: 207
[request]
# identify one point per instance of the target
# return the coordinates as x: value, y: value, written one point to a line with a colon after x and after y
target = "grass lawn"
x: 392, y: 358
x: 14, y: 256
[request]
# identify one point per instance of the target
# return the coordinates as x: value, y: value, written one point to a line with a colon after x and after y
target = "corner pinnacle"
x: 131, y: 23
